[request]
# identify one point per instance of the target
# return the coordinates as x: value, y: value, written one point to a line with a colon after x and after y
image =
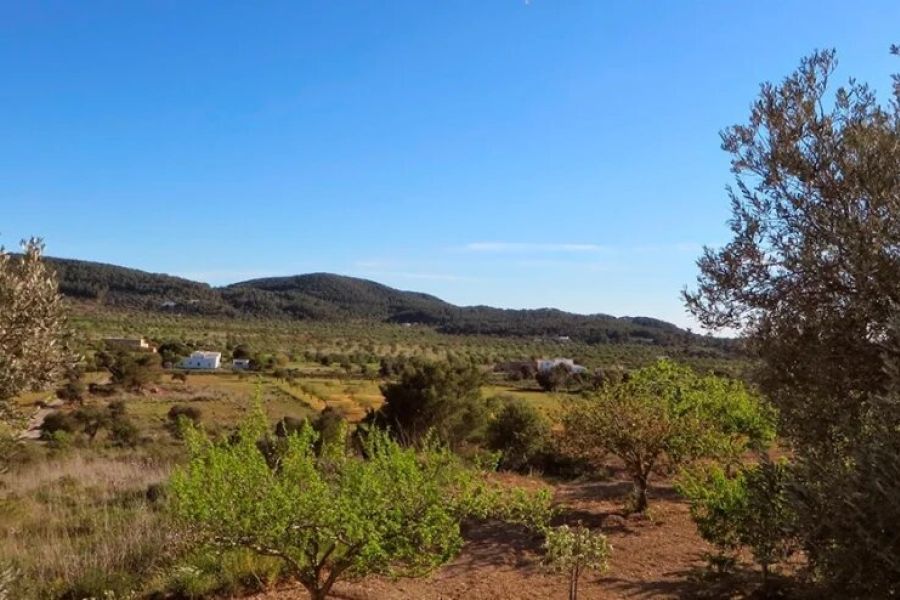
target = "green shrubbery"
x: 330, y: 514
x: 667, y: 415
x: 520, y: 433
x: 443, y: 398
x: 751, y: 508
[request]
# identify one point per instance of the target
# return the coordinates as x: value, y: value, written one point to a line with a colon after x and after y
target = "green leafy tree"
x: 554, y: 378
x: 328, y: 514
x: 519, y: 432
x: 716, y: 503
x: 666, y: 414
x: 443, y: 397
x: 574, y: 550
x: 32, y: 322
x: 172, y: 351
x: 809, y: 278
x: 750, y: 508
x: 135, y: 370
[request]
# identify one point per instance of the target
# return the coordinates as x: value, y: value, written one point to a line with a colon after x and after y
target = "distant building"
x: 546, y: 364
x: 133, y: 344
x: 202, y: 360
x: 240, y: 363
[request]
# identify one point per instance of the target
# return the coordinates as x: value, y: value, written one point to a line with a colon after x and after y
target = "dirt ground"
x: 656, y: 557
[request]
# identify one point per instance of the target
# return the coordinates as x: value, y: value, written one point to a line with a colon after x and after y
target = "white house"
x: 546, y: 364
x: 202, y: 360
x: 240, y: 363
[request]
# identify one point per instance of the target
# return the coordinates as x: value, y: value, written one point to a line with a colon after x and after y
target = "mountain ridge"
x: 326, y: 296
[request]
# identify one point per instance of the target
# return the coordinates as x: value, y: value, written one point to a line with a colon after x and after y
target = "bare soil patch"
x: 656, y: 557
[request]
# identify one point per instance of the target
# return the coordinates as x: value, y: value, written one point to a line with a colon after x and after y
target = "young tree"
x: 443, y: 397
x: 326, y: 514
x: 576, y: 550
x: 766, y: 521
x: 32, y: 324
x: 750, y: 508
x: 666, y: 413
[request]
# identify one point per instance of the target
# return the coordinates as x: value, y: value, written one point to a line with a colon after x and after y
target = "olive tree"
x: 329, y: 514
x: 809, y: 278
x: 32, y: 324
x: 666, y: 415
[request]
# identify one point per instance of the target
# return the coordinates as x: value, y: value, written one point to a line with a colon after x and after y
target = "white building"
x: 202, y: 360
x: 546, y: 364
x: 240, y: 363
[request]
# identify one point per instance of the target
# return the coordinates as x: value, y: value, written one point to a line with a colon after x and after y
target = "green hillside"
x: 325, y: 297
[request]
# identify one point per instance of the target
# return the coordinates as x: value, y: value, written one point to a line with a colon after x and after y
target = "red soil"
x: 656, y: 557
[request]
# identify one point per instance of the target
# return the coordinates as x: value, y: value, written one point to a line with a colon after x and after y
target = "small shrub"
x: 58, y: 422
x: 716, y: 502
x: 124, y: 433
x: 749, y: 509
x: 182, y: 413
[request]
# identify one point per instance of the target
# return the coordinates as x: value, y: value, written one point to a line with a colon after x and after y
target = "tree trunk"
x: 573, y: 584
x: 317, y: 593
x: 640, y: 493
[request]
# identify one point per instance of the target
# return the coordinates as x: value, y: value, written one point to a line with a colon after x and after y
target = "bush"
x: 135, y: 370
x: 122, y: 432
x: 58, y: 422
x: 181, y: 413
x: 716, y: 502
x: 327, y: 514
x: 443, y: 397
x: 553, y: 379
x: 72, y: 390
x: 520, y: 433
x: 750, y: 509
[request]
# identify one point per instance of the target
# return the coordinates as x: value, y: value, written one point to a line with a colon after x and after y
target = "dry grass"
x: 82, y: 525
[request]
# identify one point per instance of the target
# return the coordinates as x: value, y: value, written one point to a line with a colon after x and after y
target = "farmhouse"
x: 546, y: 364
x: 202, y: 360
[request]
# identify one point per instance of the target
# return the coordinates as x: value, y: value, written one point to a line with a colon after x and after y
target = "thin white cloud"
x: 525, y: 247
x: 416, y: 275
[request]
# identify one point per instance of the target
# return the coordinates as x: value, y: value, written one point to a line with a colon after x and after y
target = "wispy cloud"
x: 526, y: 247
x: 416, y: 275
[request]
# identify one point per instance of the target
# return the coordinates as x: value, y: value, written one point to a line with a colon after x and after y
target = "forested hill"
x: 323, y: 297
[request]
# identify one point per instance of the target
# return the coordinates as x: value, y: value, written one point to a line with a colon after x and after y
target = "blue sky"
x: 502, y: 152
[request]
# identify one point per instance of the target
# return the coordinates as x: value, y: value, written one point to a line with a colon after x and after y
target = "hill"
x: 324, y: 297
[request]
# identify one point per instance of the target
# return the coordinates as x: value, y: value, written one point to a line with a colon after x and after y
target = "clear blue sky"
x: 546, y: 153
